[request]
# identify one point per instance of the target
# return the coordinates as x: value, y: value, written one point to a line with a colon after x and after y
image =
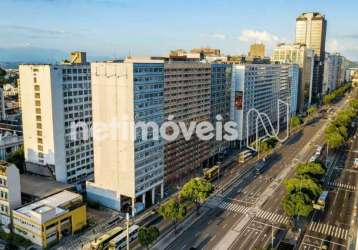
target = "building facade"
x: 128, y: 170
x: 46, y: 221
x: 311, y: 30
x: 220, y: 102
x: 9, y: 142
x: 10, y: 192
x: 187, y: 95
x: 332, y: 72
x: 257, y: 51
x: 289, y: 82
x: 298, y: 54
x: 256, y: 89
x: 57, y: 100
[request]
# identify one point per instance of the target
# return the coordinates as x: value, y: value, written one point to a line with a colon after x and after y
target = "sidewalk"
x: 171, y: 236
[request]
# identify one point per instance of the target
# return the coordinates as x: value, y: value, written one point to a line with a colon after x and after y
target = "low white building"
x: 10, y: 192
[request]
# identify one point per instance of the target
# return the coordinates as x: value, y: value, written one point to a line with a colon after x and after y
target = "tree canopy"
x: 146, y: 236
x: 172, y: 210
x: 18, y: 158
x: 196, y: 191
x: 313, y: 170
x: 295, y: 121
x: 297, y: 204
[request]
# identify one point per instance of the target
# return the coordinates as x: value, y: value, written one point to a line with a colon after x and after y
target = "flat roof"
x: 52, y: 202
x: 41, y: 187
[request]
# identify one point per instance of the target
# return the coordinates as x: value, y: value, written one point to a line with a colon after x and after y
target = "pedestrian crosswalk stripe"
x: 328, y: 229
x: 342, y: 185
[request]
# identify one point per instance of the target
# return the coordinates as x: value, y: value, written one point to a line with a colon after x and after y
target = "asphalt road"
x: 335, y: 226
x: 241, y: 203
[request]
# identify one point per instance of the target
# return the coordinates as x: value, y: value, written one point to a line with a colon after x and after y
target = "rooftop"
x: 54, y: 202
x: 41, y: 187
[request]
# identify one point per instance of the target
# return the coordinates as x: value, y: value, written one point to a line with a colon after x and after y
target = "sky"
x: 116, y: 28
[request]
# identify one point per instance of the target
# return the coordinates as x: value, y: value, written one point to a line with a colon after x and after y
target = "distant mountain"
x: 12, y: 57
x: 31, y: 55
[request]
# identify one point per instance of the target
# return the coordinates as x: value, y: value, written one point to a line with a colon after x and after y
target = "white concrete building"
x: 127, y: 171
x: 304, y: 57
x: 257, y: 88
x: 332, y: 71
x: 54, y: 98
x: 10, y: 192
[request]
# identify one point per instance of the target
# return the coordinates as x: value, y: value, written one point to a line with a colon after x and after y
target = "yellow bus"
x: 245, y: 155
x: 120, y: 242
x: 102, y: 243
x: 211, y: 173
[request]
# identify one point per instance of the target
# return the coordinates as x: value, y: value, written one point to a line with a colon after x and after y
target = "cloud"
x: 257, y: 36
x: 219, y: 36
x: 35, y: 32
x: 346, y: 46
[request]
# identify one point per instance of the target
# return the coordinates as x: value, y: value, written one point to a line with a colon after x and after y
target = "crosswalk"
x: 342, y: 185
x: 233, y: 207
x: 269, y: 216
x: 273, y: 217
x: 330, y: 230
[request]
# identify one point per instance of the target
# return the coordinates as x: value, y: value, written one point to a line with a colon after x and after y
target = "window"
x: 37, y: 88
x: 37, y: 103
x: 35, y: 80
x: 39, y: 126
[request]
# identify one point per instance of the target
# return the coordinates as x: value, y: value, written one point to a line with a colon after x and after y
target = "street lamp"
x: 127, y: 219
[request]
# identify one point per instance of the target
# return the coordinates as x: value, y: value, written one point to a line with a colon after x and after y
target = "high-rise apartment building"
x: 220, y: 101
x: 332, y: 72
x: 187, y: 98
x: 289, y: 82
x: 57, y: 98
x: 257, y: 51
x: 311, y: 30
x: 128, y: 170
x: 298, y: 54
x: 257, y: 88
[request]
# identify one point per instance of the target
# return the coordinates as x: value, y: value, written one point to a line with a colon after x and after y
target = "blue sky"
x: 153, y: 27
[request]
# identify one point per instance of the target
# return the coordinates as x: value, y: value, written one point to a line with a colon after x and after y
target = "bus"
x: 211, y: 173
x: 120, y: 242
x: 245, y: 155
x: 321, y: 202
x: 102, y: 242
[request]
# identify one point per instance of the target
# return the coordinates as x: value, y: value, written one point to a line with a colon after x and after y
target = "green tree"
x: 196, y: 191
x: 18, y: 158
x: 297, y: 204
x: 311, y: 110
x: 312, y: 170
x: 147, y: 235
x: 295, y: 121
x: 354, y: 104
x: 173, y: 211
x: 303, y: 184
x: 327, y: 99
x: 334, y: 140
